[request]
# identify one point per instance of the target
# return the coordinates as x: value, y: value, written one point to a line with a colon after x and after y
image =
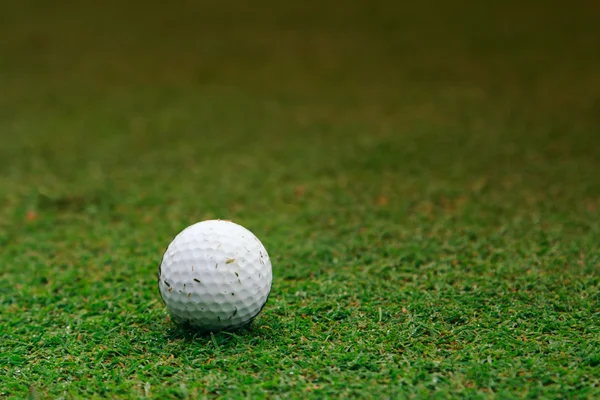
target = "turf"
x: 425, y: 177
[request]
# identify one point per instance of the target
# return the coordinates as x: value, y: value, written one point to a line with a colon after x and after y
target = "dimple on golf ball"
x: 215, y: 275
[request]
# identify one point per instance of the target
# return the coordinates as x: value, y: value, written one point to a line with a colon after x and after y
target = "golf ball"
x: 215, y: 275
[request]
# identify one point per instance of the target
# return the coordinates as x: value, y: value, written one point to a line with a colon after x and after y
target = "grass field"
x: 425, y: 177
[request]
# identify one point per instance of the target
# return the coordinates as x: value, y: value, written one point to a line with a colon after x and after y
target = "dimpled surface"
x: 215, y: 275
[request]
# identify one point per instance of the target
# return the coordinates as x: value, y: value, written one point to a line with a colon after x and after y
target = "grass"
x: 425, y: 178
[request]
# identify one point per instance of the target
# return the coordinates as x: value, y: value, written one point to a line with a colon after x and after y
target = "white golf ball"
x: 215, y: 275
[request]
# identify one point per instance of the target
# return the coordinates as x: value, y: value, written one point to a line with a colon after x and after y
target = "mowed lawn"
x: 425, y: 177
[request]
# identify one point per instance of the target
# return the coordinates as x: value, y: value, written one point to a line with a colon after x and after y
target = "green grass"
x: 425, y: 178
